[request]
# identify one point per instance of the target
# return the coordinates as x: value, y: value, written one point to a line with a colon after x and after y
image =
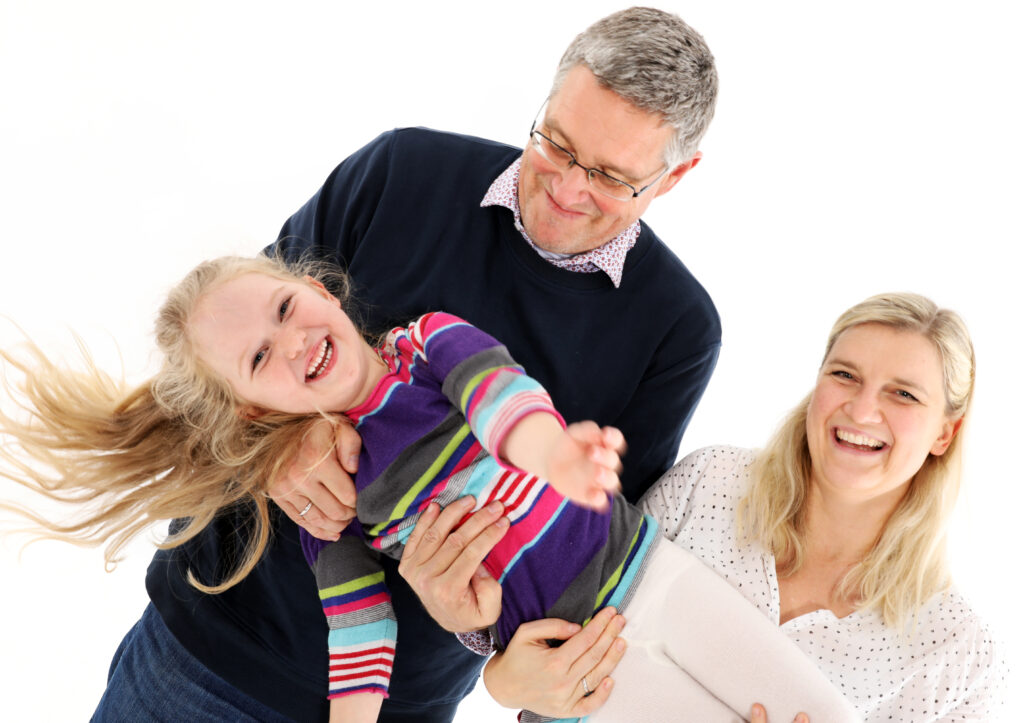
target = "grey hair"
x: 656, y: 62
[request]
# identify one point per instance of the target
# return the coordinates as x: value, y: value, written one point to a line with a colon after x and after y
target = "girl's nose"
x: 293, y: 342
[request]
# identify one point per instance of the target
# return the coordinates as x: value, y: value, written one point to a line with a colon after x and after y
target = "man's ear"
x: 676, y: 174
x: 321, y: 289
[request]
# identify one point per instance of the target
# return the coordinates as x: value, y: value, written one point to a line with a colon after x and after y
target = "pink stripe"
x: 368, y: 602
x: 513, y: 411
x: 480, y: 391
x: 523, y: 531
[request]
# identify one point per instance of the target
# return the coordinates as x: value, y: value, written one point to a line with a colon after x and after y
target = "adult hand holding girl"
x: 444, y: 566
x: 316, y: 490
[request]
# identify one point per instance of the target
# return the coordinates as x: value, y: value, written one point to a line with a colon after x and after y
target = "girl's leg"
x: 685, y: 616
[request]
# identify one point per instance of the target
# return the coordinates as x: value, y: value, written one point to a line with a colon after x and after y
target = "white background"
x: 857, y: 148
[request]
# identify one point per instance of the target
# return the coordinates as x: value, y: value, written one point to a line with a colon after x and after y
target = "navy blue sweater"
x: 402, y: 215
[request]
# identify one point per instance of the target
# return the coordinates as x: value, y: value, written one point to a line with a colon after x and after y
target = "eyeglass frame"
x: 573, y: 161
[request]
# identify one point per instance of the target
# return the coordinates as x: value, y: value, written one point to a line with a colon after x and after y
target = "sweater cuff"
x: 496, y: 437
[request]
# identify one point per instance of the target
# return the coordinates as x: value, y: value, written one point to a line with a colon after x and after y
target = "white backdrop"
x: 857, y: 148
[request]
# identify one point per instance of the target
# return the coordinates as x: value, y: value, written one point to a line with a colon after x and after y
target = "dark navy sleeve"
x: 657, y: 416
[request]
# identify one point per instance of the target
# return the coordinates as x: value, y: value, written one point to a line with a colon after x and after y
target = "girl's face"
x: 876, y: 413
x: 284, y: 346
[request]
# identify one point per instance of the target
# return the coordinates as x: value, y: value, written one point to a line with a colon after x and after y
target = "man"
x: 543, y: 249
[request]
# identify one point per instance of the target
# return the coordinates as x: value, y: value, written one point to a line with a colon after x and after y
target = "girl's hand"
x: 584, y: 463
x: 759, y: 715
x: 549, y: 681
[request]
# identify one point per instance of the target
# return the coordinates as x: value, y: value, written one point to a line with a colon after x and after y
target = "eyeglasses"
x: 599, y: 180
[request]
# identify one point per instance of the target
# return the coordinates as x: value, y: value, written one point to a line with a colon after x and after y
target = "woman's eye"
x: 904, y: 394
x: 284, y: 307
x: 258, y: 357
x: 840, y: 374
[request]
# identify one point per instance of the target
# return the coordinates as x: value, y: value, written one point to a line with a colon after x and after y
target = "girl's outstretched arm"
x: 581, y: 461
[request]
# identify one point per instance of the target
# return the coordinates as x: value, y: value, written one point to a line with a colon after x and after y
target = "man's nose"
x: 570, y: 187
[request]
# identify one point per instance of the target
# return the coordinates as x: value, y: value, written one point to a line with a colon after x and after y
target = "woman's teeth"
x: 317, y: 366
x: 858, y: 440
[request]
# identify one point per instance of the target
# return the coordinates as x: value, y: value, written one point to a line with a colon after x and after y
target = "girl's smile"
x: 284, y: 346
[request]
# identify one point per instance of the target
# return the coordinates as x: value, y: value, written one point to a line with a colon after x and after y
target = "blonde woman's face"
x: 284, y: 346
x: 877, y: 412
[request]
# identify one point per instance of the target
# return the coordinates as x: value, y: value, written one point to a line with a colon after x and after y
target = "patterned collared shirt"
x: 609, y: 257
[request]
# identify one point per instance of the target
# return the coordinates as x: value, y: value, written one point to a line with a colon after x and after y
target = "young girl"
x: 254, y: 350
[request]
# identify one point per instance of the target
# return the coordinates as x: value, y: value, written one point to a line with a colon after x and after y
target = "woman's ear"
x: 321, y: 289
x: 950, y: 428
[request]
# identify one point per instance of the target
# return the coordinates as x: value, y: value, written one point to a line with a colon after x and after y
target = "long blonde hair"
x: 175, y: 447
x: 908, y: 563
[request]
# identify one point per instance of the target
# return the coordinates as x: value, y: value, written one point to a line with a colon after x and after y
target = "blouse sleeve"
x: 972, y: 677
x: 671, y: 498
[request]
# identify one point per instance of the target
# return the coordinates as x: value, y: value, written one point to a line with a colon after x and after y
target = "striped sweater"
x: 429, y: 429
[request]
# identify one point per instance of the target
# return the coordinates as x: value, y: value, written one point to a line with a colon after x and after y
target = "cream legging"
x: 699, y: 651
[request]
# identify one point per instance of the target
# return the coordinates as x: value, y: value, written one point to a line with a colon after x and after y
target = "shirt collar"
x: 610, y: 257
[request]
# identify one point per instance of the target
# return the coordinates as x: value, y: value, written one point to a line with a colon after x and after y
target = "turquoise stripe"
x: 484, y: 477
x: 480, y: 415
x: 382, y: 630
x: 481, y: 480
x: 629, y: 574
x: 537, y: 538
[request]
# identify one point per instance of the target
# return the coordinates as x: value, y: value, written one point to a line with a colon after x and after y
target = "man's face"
x: 560, y: 210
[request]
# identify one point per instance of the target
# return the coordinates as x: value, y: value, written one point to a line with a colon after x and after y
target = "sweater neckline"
x: 548, y: 272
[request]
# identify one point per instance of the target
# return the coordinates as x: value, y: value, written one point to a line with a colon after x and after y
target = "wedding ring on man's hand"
x: 587, y: 692
x: 306, y: 509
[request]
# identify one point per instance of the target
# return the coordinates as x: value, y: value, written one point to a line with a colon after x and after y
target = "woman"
x: 836, y: 531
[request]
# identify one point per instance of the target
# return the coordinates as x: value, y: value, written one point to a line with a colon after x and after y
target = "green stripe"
x: 402, y: 508
x: 473, y: 383
x: 360, y: 582
x: 617, y: 575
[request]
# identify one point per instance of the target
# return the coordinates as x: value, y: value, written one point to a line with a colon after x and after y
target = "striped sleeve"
x: 363, y: 629
x: 478, y: 376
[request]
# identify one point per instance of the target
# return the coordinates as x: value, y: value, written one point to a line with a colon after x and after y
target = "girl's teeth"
x: 318, y: 365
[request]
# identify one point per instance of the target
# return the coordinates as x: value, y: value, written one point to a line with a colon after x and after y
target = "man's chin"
x: 559, y: 238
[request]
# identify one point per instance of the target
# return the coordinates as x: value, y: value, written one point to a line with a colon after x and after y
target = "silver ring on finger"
x: 306, y: 509
x: 587, y: 692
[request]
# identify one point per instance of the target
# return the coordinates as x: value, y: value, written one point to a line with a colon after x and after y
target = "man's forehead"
x: 605, y: 129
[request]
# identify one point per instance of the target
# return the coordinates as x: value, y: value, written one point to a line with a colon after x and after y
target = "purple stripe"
x: 544, y: 572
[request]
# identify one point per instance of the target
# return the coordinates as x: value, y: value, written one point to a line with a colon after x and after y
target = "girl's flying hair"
x: 173, y: 448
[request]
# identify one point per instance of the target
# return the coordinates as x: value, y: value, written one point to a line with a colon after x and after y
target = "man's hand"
x: 316, y: 490
x: 444, y: 568
x: 549, y: 681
